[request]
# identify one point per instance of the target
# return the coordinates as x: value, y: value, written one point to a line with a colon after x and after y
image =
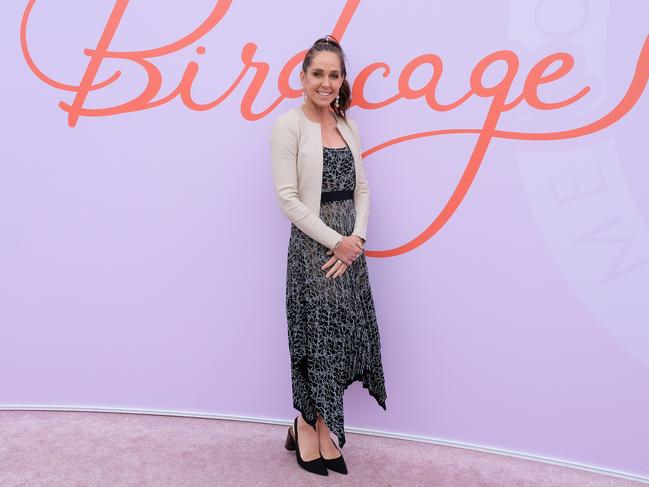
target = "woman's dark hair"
x: 328, y: 43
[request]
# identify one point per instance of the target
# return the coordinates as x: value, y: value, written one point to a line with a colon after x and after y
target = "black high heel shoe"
x: 313, y: 466
x: 336, y: 464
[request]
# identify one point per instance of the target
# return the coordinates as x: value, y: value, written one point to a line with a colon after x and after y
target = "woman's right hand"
x: 349, y: 249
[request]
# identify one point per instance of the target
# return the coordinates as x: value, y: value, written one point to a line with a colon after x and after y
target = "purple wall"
x: 143, y: 255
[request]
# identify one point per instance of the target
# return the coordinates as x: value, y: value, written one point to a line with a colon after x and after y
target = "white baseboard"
x: 386, y: 434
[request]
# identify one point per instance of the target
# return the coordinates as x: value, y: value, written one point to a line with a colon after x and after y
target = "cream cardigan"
x: 296, y: 152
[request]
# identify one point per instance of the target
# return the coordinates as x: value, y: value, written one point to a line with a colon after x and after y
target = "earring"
x: 338, y: 101
x: 303, y: 95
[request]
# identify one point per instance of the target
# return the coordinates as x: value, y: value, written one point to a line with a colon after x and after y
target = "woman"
x: 321, y: 187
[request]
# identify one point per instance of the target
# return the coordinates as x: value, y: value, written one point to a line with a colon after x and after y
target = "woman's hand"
x: 337, y: 267
x: 349, y: 249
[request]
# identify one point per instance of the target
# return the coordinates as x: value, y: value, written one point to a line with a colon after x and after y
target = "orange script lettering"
x: 497, y: 93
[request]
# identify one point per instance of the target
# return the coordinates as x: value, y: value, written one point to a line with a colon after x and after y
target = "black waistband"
x: 345, y: 194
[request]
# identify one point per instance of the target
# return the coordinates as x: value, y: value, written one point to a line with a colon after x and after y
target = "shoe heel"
x: 289, y: 444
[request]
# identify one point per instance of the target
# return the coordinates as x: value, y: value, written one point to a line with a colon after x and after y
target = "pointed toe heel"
x: 316, y: 466
x: 336, y: 464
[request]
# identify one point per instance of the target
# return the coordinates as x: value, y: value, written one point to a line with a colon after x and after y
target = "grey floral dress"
x: 332, y: 328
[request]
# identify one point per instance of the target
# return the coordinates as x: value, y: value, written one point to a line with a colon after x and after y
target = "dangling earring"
x: 337, y: 101
x: 304, y: 95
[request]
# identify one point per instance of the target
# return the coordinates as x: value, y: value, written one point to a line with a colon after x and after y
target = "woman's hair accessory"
x: 329, y: 39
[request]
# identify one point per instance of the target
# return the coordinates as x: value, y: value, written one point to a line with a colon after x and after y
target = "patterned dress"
x: 332, y: 329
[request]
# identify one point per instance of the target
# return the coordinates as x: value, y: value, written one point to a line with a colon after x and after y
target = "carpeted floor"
x: 86, y: 449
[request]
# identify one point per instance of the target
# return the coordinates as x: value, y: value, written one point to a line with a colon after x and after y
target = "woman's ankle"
x: 322, y: 428
x: 302, y: 422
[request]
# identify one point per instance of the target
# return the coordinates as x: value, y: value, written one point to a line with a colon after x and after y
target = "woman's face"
x: 323, y: 78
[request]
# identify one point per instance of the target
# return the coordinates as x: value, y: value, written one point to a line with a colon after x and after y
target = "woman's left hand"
x: 337, y: 268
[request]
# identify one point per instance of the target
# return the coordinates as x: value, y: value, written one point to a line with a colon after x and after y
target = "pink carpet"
x: 51, y: 449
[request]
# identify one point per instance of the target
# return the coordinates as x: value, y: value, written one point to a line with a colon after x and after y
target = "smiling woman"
x: 332, y: 329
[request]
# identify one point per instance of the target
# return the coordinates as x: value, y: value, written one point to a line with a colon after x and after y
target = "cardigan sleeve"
x: 284, y: 145
x: 361, y: 192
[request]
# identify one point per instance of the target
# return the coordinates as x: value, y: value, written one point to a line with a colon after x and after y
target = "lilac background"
x: 143, y: 256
